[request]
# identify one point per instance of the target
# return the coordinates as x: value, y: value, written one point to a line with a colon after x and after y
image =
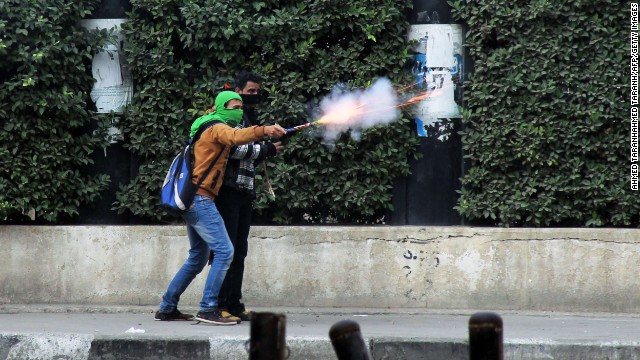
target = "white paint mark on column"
x: 471, y: 264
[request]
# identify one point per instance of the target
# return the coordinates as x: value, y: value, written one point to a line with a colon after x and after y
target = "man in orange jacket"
x: 205, y: 227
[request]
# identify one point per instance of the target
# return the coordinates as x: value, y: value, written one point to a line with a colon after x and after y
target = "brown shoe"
x: 228, y: 315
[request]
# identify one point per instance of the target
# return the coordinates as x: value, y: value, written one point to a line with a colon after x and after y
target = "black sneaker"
x: 246, y: 315
x: 172, y: 316
x: 214, y: 317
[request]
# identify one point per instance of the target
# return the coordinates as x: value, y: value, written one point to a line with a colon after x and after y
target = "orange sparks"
x: 418, y: 98
x: 410, y: 86
x: 415, y: 99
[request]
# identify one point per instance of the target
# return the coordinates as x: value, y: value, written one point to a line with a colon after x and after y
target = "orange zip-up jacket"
x: 219, y: 137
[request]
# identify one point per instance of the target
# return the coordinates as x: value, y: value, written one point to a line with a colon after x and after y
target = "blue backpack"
x: 178, y: 190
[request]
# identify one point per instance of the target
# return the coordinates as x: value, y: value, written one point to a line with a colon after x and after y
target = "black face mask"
x: 252, y: 99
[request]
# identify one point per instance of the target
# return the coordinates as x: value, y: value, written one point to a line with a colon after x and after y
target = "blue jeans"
x: 205, y: 230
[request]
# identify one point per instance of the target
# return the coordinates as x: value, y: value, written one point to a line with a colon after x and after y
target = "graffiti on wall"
x: 438, y: 71
x: 113, y: 87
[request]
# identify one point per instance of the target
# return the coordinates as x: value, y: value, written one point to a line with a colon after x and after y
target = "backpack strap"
x: 206, y: 172
x: 202, y: 129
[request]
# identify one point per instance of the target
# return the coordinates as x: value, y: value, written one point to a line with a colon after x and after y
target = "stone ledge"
x: 448, y: 268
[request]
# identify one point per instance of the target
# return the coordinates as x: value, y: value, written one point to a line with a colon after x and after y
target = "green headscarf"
x: 231, y: 117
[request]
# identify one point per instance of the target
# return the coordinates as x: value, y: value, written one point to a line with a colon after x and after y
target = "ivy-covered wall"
x: 47, y: 132
x: 183, y: 52
x: 547, y: 117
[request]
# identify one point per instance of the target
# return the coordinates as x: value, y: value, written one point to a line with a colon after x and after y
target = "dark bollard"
x: 268, y: 337
x: 347, y: 341
x: 485, y: 336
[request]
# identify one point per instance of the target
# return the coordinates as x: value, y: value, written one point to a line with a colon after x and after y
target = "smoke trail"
x: 358, y: 110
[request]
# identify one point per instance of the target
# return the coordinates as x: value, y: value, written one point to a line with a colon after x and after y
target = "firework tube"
x: 297, y: 128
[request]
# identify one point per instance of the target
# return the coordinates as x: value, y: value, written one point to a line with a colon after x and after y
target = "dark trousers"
x: 235, y: 208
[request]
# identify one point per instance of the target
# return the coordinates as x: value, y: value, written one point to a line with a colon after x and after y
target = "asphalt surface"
x: 399, y: 333
x: 403, y: 323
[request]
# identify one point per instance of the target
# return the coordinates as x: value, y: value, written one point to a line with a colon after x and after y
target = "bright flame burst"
x: 349, y: 111
x: 345, y: 113
x: 342, y: 114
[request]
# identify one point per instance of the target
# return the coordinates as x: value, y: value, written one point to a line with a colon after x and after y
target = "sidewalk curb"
x: 100, y: 347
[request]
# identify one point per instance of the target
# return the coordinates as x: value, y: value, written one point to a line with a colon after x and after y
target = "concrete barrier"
x: 556, y: 269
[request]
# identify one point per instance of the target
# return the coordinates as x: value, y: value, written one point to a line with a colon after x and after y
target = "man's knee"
x: 202, y: 263
x: 196, y: 263
x: 226, y: 255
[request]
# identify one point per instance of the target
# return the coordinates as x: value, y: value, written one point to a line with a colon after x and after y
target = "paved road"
x: 394, y: 333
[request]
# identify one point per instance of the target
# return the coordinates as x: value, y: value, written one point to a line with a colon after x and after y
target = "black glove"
x: 271, y: 149
x: 286, y: 137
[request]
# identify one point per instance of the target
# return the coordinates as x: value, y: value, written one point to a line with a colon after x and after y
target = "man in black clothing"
x: 235, y: 200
